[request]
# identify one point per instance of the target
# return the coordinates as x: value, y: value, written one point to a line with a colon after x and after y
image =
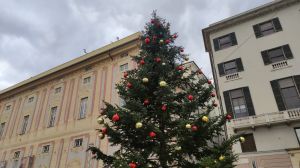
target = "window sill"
x: 232, y: 77
x: 280, y: 65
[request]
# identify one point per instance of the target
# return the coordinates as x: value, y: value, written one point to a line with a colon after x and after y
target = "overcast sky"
x: 37, y: 35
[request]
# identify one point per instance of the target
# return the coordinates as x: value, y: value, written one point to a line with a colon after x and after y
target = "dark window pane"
x: 236, y: 93
x: 267, y: 28
x: 289, y: 93
x: 249, y: 144
x: 276, y: 55
x: 230, y: 67
x: 287, y: 82
x: 225, y: 42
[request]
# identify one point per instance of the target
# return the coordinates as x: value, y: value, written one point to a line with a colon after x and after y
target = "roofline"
x: 102, y: 50
x: 247, y: 15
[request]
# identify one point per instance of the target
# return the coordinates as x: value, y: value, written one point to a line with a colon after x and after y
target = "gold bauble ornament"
x: 186, y: 58
x: 138, y: 125
x: 221, y: 158
x: 188, y: 126
x: 162, y: 84
x: 161, y: 41
x: 145, y: 80
x: 242, y: 139
x: 205, y: 119
x: 100, y: 120
x: 163, y: 64
x: 178, y: 148
x: 101, y: 135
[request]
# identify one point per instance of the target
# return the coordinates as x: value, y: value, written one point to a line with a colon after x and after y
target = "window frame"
x: 87, y: 80
x: 83, y: 108
x: 124, y: 67
x: 30, y: 99
x: 52, y: 117
x: 24, y: 124
x: 276, y: 27
x: 282, y: 52
x: 236, y: 67
x: 247, y: 141
x: 78, y: 142
x: 264, y: 23
x: 2, y: 129
x: 17, y: 155
x: 7, y: 107
x: 45, y: 148
x: 244, y: 99
x: 294, y: 85
x: 57, y: 90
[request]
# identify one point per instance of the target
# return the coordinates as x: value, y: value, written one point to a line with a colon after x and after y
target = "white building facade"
x: 255, y: 58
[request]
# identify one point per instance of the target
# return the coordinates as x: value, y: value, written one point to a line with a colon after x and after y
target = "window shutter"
x: 257, y: 32
x: 249, y: 103
x: 227, y: 102
x: 239, y: 64
x: 233, y: 38
x: 277, y: 24
x: 287, y: 51
x: 297, y: 81
x: 265, y: 57
x: 277, y: 95
x: 216, y: 44
x: 221, y: 69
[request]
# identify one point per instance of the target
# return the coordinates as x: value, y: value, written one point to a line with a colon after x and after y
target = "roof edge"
x: 77, y: 60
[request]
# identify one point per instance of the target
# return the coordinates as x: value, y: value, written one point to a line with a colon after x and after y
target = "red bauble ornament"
x: 213, y: 95
x: 146, y: 102
x: 190, y: 97
x: 175, y: 36
x: 152, y: 134
x: 167, y: 41
x: 157, y: 59
x: 215, y: 104
x: 181, y: 50
x: 164, y: 107
x: 129, y: 85
x: 147, y: 40
x: 142, y: 62
x: 209, y: 82
x: 152, y: 21
x: 154, y: 38
x: 132, y: 165
x: 228, y: 117
x: 194, y: 128
x: 115, y: 117
x: 180, y: 68
x: 104, y: 130
x: 125, y: 74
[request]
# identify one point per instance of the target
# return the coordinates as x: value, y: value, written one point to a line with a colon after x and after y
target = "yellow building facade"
x: 49, y: 120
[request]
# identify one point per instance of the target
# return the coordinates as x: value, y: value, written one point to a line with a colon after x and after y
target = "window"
x: 277, y: 54
x: 2, y: 126
x: 249, y: 144
x: 8, y: 107
x: 45, y: 149
x: 289, y: 93
x: 87, y: 80
x: 225, y: 41
x: 24, y: 124
x: 30, y: 99
x: 58, y: 90
x: 124, y: 67
x: 297, y: 131
x: 78, y: 142
x: 230, y: 67
x: 17, y: 155
x: 266, y: 28
x: 286, y: 92
x: 239, y: 102
x: 52, y: 116
x: 83, y: 107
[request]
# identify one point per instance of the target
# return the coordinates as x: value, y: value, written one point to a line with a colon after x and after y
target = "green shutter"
x: 257, y: 31
x: 216, y: 44
x: 277, y: 24
x: 249, y: 103
x: 227, y: 102
x: 297, y: 81
x: 265, y: 57
x: 233, y: 39
x: 277, y: 95
x: 239, y: 64
x: 287, y: 51
x: 221, y: 69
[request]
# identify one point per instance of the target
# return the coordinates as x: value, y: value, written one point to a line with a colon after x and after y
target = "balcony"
x: 280, y: 65
x: 267, y: 119
x: 233, y: 76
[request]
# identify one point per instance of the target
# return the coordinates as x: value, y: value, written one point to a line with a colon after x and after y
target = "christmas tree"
x: 166, y: 119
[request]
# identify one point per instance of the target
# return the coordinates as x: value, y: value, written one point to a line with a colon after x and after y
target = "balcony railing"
x: 233, y: 76
x: 267, y: 119
x: 280, y: 65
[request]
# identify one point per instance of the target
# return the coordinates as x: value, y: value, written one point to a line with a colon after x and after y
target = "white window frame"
x: 8, y: 107
x: 57, y: 90
x: 52, y: 118
x: 45, y: 149
x: 83, y: 107
x: 87, y: 80
x: 17, y: 155
x: 78, y: 142
x: 30, y: 99
x: 124, y: 67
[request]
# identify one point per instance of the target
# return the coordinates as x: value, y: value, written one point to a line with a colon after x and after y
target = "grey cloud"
x: 38, y: 35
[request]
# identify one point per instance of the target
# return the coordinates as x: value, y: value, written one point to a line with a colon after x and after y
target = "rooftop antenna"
x: 118, y: 38
x: 84, y: 50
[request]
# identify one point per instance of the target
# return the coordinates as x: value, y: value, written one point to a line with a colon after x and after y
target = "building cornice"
x: 99, y: 54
